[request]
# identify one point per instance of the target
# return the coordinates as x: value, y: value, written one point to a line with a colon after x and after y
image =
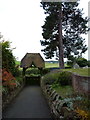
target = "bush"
x: 88, y: 63
x: 61, y: 78
x: 70, y: 64
x: 45, y: 71
x: 51, y: 77
x: 4, y: 90
x: 8, y: 60
x: 82, y: 62
x: 35, y: 71
x: 18, y: 72
x: 64, y: 78
x: 8, y: 80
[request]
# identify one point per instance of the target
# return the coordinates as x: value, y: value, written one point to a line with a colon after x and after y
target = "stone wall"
x: 60, y: 108
x: 63, y: 108
x: 81, y: 84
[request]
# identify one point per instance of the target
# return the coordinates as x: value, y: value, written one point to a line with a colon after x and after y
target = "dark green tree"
x: 73, y: 26
x: 82, y: 62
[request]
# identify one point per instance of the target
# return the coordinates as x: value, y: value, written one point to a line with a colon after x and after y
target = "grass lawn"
x: 64, y: 91
x: 80, y: 71
x: 47, y: 64
x: 17, y: 62
x: 50, y: 65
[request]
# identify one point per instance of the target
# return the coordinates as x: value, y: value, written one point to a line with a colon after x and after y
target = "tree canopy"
x: 73, y: 26
x: 8, y: 60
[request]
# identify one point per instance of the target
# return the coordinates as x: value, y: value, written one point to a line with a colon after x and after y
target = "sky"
x: 20, y: 23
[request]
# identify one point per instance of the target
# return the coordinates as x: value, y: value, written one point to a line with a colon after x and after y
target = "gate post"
x: 24, y: 69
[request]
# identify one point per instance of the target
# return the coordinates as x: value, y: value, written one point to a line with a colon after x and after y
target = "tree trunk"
x: 61, y: 53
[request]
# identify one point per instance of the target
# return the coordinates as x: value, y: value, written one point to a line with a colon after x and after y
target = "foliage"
x: 78, y: 103
x: 80, y: 71
x: 8, y: 80
x: 19, y: 80
x: 73, y: 25
x: 70, y: 63
x: 64, y: 78
x: 8, y: 60
x: 45, y: 71
x: 4, y: 90
x: 71, y: 60
x: 32, y: 71
x: 88, y: 63
x: 17, y: 62
x: 63, y: 91
x: 82, y: 62
x: 36, y: 71
x: 51, y: 77
x: 57, y: 77
x: 82, y: 115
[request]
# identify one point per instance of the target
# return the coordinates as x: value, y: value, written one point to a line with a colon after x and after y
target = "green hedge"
x: 61, y: 78
x: 64, y: 78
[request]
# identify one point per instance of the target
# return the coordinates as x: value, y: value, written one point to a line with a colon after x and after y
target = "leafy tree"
x: 71, y: 60
x: 82, y: 62
x: 88, y: 63
x: 8, y: 60
x: 73, y: 25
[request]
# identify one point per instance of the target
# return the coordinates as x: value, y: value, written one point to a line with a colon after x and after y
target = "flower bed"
x: 10, y: 87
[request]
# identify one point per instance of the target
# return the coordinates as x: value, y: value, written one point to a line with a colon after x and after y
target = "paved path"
x: 30, y: 103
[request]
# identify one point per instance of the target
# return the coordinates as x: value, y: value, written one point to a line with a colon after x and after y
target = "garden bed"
x: 62, y: 97
x: 82, y: 103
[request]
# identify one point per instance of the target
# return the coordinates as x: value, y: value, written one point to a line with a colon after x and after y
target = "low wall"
x: 58, y: 106
x: 81, y: 84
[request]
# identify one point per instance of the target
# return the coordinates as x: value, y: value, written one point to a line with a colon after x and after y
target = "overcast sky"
x: 20, y: 23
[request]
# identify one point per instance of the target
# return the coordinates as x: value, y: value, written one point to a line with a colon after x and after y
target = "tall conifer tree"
x: 62, y: 30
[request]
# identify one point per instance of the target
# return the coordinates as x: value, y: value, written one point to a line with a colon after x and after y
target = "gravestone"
x: 85, y: 67
x: 76, y: 66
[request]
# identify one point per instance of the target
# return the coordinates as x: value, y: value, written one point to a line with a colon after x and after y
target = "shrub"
x: 57, y: 77
x: 82, y: 62
x: 36, y: 71
x: 51, y: 77
x: 64, y: 78
x: 4, y: 90
x: 70, y: 63
x: 88, y: 63
x: 8, y: 60
x: 32, y: 71
x: 45, y: 71
x: 17, y: 72
x: 8, y: 80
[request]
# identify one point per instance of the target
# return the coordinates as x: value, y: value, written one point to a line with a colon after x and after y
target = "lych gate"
x: 32, y: 59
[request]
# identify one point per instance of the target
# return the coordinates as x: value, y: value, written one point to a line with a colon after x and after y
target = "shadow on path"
x: 30, y: 103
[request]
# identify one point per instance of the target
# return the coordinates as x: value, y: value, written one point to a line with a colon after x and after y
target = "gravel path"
x: 30, y: 103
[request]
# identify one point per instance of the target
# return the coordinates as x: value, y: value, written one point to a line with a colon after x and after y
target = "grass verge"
x: 80, y: 71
